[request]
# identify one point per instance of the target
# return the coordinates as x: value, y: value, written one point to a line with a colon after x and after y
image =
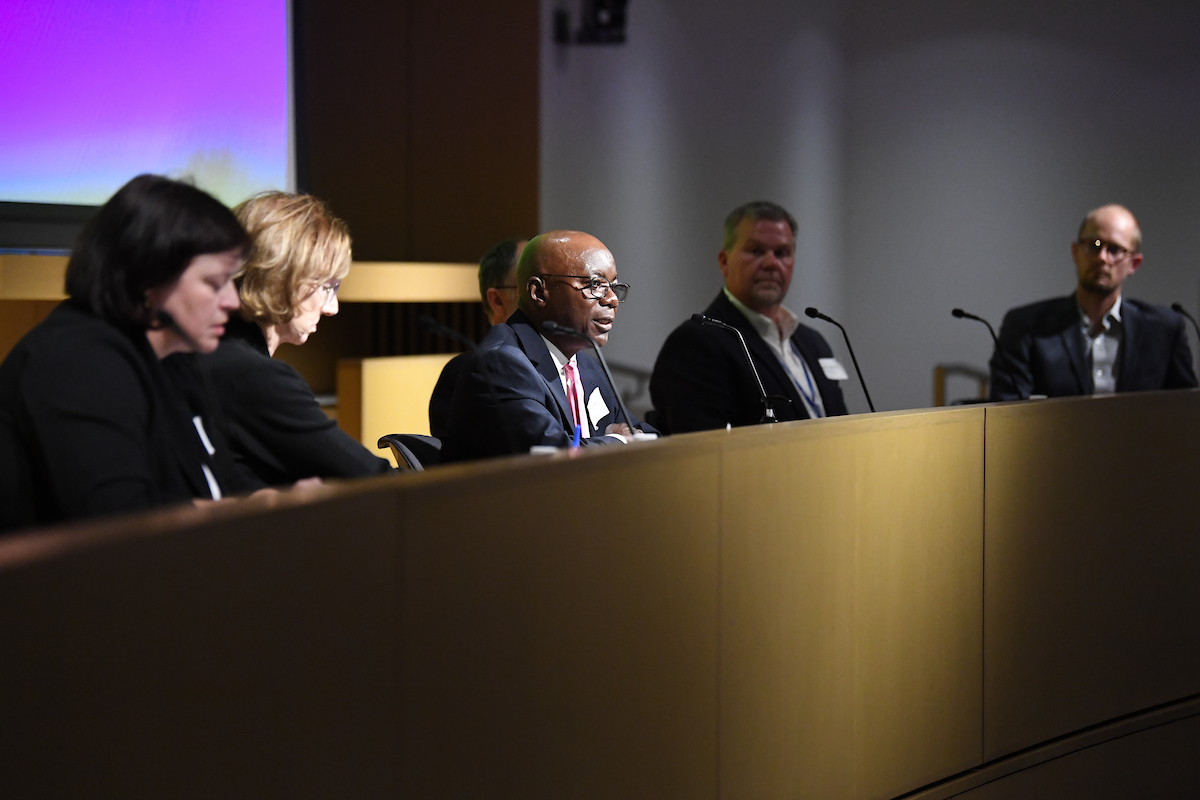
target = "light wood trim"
x: 400, y: 282
x: 30, y: 277
x: 24, y: 277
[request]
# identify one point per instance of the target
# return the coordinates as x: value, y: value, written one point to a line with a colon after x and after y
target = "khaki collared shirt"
x: 780, y: 341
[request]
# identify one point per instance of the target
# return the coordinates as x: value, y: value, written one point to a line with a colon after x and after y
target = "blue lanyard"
x: 810, y: 396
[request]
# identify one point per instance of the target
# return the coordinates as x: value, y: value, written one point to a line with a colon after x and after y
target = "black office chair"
x: 413, y: 451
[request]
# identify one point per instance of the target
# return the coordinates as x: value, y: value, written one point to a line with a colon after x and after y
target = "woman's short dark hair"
x: 143, y: 237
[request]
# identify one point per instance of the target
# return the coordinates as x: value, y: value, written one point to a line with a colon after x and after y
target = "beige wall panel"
x: 18, y: 317
x: 378, y: 396
x: 28, y: 277
x: 851, y: 605
x: 203, y: 653
x: 1091, y: 559
x: 399, y: 282
x: 560, y: 628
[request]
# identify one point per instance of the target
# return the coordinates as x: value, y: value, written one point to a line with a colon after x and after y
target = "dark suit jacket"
x: 701, y: 380
x: 276, y: 430
x: 443, y: 394
x: 529, y: 406
x: 91, y: 424
x: 1041, y: 351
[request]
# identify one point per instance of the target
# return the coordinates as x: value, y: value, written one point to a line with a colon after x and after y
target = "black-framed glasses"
x: 1115, y: 251
x: 596, y: 288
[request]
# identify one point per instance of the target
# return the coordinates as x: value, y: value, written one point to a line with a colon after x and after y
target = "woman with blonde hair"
x: 277, y: 432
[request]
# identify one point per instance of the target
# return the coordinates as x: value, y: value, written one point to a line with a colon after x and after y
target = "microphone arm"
x: 431, y: 325
x: 553, y: 328
x: 958, y: 313
x: 814, y: 314
x: 1179, y: 309
x: 768, y: 412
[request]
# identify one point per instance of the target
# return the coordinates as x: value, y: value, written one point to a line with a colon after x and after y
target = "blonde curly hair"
x: 296, y: 244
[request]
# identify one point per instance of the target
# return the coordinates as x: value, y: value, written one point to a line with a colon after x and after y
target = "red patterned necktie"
x: 574, y: 392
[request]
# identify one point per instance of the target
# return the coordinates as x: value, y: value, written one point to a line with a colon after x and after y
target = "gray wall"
x: 936, y: 158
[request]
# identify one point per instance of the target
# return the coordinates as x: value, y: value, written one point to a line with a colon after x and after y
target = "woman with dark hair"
x: 278, y: 434
x: 91, y: 422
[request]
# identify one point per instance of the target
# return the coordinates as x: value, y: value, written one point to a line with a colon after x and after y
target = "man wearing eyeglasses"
x: 498, y: 290
x: 526, y: 386
x: 1094, y: 341
x: 702, y: 379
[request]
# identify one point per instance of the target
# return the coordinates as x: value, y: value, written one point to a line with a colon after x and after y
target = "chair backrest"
x: 413, y: 451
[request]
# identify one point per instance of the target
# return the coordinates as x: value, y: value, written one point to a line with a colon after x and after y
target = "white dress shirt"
x: 781, y: 344
x: 1103, y: 345
x: 560, y: 363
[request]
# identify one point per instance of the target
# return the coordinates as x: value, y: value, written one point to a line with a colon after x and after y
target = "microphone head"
x: 812, y: 312
x: 958, y: 313
x: 427, y: 323
x: 550, y: 326
x: 1177, y: 308
x: 699, y: 318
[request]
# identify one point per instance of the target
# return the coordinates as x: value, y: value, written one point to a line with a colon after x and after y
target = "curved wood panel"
x: 816, y: 609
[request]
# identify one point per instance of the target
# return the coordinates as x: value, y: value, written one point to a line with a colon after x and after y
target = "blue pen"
x: 578, y: 434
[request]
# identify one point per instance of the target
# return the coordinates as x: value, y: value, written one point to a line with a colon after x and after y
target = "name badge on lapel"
x: 597, y: 409
x: 833, y: 369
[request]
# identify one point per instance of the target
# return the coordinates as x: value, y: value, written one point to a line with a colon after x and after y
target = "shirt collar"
x: 766, y: 326
x: 560, y: 358
x: 1114, y: 314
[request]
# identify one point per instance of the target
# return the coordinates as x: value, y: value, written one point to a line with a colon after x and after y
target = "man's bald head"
x: 552, y: 275
x: 1113, y: 214
x: 560, y: 253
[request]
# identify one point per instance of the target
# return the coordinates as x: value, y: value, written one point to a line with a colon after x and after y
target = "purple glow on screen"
x: 93, y: 93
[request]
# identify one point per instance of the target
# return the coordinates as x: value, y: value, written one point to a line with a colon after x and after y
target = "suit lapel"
x: 1127, y: 354
x: 537, y: 353
x: 1072, y: 341
x: 764, y: 359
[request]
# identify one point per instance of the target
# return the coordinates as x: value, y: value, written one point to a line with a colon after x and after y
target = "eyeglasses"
x: 596, y: 288
x: 330, y: 290
x: 1115, y: 251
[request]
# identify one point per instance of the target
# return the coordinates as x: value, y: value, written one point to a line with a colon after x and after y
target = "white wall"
x: 649, y: 145
x: 932, y: 161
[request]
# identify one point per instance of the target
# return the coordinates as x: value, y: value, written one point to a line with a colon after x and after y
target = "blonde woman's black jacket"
x: 275, y: 428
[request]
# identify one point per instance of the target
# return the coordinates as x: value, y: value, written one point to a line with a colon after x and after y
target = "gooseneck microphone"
x: 814, y: 314
x: 958, y: 313
x: 768, y: 412
x: 1179, y: 309
x: 431, y: 325
x: 553, y: 328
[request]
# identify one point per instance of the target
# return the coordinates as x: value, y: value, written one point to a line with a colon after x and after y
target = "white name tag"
x: 833, y: 369
x: 597, y: 410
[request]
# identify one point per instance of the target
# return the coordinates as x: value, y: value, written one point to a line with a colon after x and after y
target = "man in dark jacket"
x: 526, y: 386
x: 1093, y: 341
x: 702, y: 379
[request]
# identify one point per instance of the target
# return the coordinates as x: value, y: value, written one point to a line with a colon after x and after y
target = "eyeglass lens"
x: 1094, y: 247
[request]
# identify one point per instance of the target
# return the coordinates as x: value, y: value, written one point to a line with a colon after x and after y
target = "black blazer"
x: 1041, y: 351
x: 275, y: 427
x: 443, y: 394
x: 90, y: 424
x: 701, y: 380
x: 529, y: 406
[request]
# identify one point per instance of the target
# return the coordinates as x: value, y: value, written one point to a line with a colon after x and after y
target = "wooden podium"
x: 991, y: 601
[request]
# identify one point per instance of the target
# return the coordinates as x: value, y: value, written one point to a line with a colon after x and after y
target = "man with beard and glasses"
x: 702, y: 380
x: 1093, y: 341
x: 525, y: 386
